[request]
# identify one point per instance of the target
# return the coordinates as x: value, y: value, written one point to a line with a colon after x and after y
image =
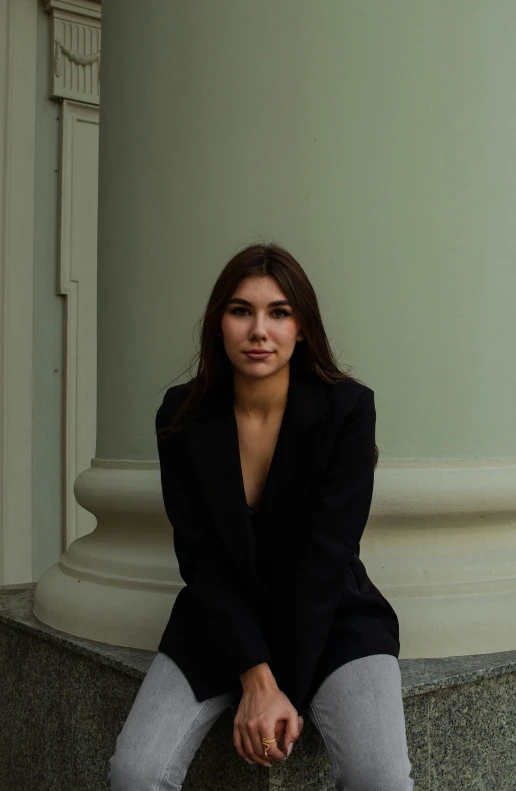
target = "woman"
x: 267, y: 464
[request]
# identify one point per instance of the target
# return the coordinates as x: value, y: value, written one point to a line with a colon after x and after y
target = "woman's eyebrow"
x: 241, y: 301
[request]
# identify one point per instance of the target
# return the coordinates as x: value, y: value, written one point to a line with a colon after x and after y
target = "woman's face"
x: 252, y: 322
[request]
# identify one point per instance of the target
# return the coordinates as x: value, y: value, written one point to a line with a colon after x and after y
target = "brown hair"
x: 213, y: 365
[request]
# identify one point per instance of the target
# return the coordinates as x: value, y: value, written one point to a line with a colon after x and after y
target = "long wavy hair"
x: 313, y: 354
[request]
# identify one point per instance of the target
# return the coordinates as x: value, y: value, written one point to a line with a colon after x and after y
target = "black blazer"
x: 318, y: 608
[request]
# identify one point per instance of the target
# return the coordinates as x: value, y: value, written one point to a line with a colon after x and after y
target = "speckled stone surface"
x: 64, y: 700
x: 474, y: 726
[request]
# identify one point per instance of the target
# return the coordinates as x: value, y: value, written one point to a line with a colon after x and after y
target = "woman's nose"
x: 258, y: 328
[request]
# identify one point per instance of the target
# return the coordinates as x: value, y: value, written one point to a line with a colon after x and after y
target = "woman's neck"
x: 261, y: 398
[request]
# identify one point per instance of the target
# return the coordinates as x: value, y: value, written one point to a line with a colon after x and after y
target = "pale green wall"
x: 48, y: 371
x: 376, y: 140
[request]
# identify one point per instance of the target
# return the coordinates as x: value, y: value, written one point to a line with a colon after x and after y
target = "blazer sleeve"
x: 227, y: 619
x: 337, y: 513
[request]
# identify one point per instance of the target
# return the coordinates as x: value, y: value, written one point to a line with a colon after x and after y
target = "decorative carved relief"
x: 76, y: 34
x: 73, y: 57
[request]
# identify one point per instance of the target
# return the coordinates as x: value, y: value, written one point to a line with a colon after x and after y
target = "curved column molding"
x: 440, y: 544
x: 118, y: 583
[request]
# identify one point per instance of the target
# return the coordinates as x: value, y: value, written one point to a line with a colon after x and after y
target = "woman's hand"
x: 279, y: 734
x: 264, y: 711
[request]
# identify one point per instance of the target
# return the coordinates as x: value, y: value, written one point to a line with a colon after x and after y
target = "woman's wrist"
x: 258, y: 677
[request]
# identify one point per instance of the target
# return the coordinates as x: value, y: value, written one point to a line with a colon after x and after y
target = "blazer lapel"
x: 214, y: 449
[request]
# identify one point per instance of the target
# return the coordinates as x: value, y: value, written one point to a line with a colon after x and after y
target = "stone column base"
x: 440, y: 544
x: 118, y: 583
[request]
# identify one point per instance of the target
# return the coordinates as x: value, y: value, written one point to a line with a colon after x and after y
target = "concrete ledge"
x: 64, y: 700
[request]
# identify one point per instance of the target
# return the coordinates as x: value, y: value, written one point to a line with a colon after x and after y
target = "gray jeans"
x: 358, y: 710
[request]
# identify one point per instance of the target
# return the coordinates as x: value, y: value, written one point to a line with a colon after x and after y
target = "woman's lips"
x: 258, y: 355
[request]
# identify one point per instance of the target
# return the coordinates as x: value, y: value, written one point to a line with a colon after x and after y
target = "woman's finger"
x: 267, y: 731
x: 292, y: 731
x: 273, y: 751
x: 256, y: 729
x: 242, y: 739
x: 279, y: 734
x: 257, y: 755
x: 239, y: 746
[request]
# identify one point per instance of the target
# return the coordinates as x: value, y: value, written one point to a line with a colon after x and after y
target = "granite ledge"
x: 419, y: 676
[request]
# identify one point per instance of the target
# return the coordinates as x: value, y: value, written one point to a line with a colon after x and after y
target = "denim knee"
x: 379, y: 775
x: 128, y: 773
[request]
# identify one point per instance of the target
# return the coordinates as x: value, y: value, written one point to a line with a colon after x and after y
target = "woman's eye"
x: 283, y: 313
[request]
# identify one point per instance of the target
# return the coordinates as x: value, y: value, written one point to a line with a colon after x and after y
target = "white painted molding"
x: 86, y: 8
x: 78, y: 282
x: 440, y: 544
x: 18, y: 35
x: 76, y: 45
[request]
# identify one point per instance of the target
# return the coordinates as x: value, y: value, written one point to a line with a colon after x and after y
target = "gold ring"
x: 267, y: 743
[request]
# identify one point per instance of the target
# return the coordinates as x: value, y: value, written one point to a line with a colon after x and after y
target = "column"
x: 376, y: 142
